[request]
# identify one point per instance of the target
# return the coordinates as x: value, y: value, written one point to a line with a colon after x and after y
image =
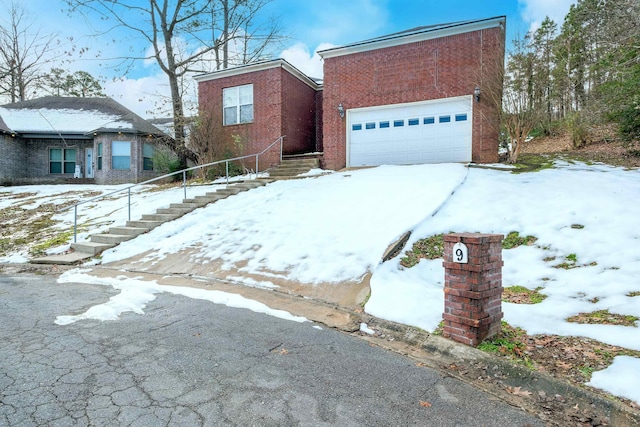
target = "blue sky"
x: 310, y: 25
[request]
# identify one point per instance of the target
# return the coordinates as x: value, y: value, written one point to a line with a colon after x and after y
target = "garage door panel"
x: 429, y: 132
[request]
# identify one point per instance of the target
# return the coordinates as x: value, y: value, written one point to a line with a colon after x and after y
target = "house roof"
x: 414, y: 35
x: 258, y: 66
x: 72, y: 115
x: 4, y: 127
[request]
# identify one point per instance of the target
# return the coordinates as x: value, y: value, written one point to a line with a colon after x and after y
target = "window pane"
x: 100, y: 149
x: 147, y: 164
x: 356, y: 127
x: 120, y: 162
x: 429, y: 120
x: 246, y: 113
x: 70, y: 155
x: 246, y: 94
x: 384, y: 125
x: 370, y: 126
x: 230, y: 116
x: 444, y: 119
x: 55, y: 154
x: 100, y: 163
x: 230, y: 97
x: 398, y: 123
x: 461, y: 117
x: 69, y: 167
x: 147, y: 150
x: 414, y: 122
x: 120, y: 148
x: 55, y: 167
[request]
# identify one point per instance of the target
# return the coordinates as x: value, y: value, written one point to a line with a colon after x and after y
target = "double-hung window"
x: 237, y: 104
x: 62, y: 160
x: 147, y: 157
x: 121, y: 155
x: 99, y: 156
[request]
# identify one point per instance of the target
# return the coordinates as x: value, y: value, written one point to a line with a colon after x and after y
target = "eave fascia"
x: 418, y: 36
x: 255, y: 67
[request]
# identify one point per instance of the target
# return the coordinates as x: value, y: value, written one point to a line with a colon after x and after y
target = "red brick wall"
x: 318, y: 146
x: 439, y: 68
x: 298, y: 115
x: 282, y: 105
x: 473, y: 291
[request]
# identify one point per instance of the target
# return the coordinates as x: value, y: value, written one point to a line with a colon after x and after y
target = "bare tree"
x: 181, y: 33
x: 23, y: 50
x: 520, y: 113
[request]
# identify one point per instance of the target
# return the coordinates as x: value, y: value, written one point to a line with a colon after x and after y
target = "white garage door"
x: 436, y: 131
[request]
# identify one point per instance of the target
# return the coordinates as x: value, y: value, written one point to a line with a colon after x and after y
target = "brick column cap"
x: 473, y: 238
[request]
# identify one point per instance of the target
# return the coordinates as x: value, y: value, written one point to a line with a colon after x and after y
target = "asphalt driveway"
x: 187, y: 362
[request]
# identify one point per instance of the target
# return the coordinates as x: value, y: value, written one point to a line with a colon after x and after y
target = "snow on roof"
x: 64, y: 121
x: 54, y: 114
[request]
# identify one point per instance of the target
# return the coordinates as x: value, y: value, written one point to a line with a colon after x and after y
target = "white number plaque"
x: 460, y: 253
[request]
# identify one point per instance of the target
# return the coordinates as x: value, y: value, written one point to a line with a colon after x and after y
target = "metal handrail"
x: 184, y: 182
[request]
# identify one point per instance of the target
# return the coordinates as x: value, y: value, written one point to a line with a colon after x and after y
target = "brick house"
x: 259, y: 102
x: 425, y: 95
x: 60, y: 139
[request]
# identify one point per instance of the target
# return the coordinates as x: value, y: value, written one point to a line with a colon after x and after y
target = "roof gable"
x: 414, y: 35
x: 73, y: 115
x: 259, y: 66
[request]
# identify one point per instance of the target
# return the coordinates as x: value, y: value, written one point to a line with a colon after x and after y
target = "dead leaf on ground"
x: 518, y: 391
x: 425, y: 404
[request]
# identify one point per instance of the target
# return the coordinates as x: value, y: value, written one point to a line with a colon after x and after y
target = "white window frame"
x: 237, y: 105
x: 118, y: 152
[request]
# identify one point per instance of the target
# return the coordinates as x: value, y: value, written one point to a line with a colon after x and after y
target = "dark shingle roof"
x: 411, y: 34
x: 73, y: 115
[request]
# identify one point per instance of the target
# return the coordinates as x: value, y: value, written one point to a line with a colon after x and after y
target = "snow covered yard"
x: 335, y: 228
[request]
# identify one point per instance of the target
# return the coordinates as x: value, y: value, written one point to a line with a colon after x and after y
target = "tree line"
x: 27, y: 54
x: 582, y: 74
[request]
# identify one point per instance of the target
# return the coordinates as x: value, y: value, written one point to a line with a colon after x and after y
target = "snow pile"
x: 335, y: 228
x: 136, y: 294
x: 573, y: 209
x: 332, y: 228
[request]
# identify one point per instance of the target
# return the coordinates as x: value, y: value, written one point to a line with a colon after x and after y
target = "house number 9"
x: 460, y: 253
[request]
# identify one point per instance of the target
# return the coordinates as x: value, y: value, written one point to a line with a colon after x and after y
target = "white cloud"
x: 146, y: 96
x: 300, y: 57
x: 534, y: 11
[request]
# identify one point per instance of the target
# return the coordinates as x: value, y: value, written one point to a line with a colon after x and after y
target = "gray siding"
x: 135, y: 173
x: 12, y: 158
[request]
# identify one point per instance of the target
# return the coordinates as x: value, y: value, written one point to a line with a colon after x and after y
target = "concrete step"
x: 184, y: 205
x: 131, y: 231
x: 112, y: 239
x: 159, y: 217
x: 198, y: 202
x: 63, y: 259
x: 91, y: 248
x: 292, y: 172
x: 229, y: 191
x: 173, y: 211
x: 310, y: 162
x: 205, y: 200
x: 297, y: 165
x: 250, y: 185
x: 147, y: 225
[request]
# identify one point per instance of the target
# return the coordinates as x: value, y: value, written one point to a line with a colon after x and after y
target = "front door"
x: 88, y: 169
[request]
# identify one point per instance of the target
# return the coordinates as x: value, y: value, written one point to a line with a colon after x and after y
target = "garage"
x: 437, y: 131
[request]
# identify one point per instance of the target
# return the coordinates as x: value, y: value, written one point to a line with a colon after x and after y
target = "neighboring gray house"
x: 69, y: 139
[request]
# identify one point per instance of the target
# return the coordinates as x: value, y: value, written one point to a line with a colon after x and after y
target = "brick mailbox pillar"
x: 472, y: 286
